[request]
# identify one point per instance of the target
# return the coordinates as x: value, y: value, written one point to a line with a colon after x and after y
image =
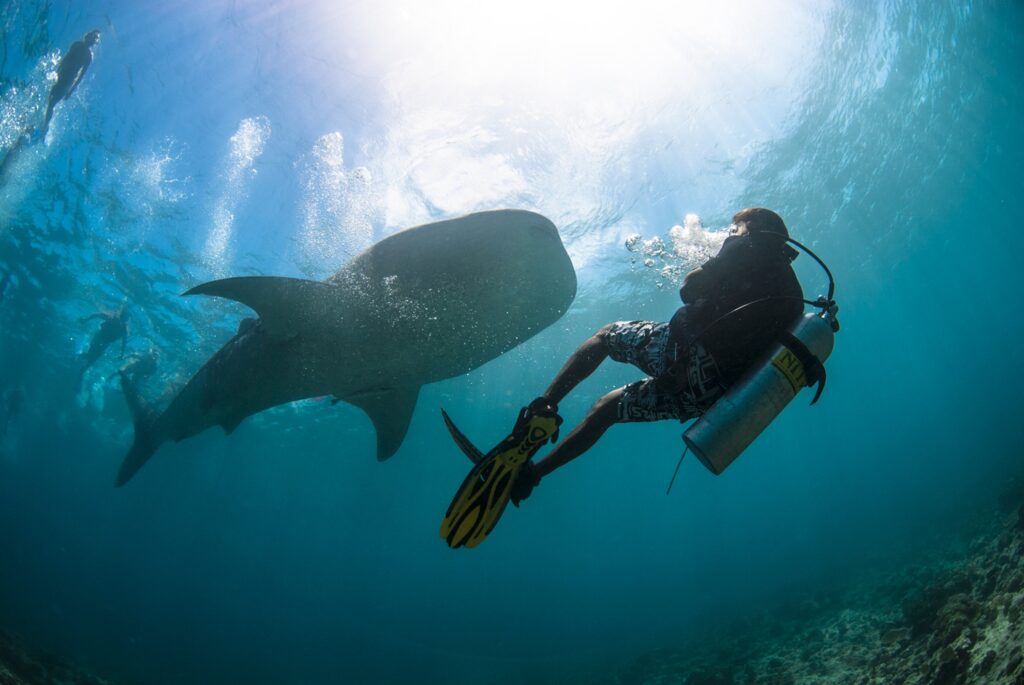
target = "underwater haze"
x: 230, y: 138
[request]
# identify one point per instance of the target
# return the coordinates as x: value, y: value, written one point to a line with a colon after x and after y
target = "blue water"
x: 232, y: 138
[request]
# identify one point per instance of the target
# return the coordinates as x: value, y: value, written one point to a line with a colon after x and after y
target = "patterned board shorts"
x: 643, y: 344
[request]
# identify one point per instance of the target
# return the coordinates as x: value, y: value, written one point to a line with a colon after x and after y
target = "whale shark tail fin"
x: 146, y: 442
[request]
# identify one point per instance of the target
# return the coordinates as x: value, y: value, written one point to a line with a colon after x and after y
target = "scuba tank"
x: 753, y: 402
x: 728, y: 427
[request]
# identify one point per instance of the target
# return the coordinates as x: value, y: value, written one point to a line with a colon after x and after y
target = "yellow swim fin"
x: 484, y: 494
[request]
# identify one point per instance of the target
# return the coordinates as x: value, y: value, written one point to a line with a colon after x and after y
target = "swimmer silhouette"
x: 70, y: 71
x: 114, y: 325
x: 69, y: 74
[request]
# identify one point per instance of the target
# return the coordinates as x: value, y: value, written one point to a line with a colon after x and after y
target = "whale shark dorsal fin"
x: 282, y: 303
x: 390, y: 410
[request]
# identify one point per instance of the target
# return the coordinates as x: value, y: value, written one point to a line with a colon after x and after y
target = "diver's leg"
x: 600, y: 418
x: 583, y: 362
x: 640, y: 401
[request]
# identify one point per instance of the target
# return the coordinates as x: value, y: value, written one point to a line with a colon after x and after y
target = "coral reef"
x: 22, y: 665
x: 958, y: 619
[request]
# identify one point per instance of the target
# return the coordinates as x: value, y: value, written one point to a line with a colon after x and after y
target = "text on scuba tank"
x: 790, y: 367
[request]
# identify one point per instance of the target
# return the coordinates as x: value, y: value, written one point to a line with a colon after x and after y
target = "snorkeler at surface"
x: 70, y: 71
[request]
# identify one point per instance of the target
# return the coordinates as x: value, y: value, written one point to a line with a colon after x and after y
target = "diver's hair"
x: 91, y: 37
x: 760, y: 219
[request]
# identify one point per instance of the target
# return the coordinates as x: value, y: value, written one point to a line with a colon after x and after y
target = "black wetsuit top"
x: 747, y: 268
x: 70, y: 70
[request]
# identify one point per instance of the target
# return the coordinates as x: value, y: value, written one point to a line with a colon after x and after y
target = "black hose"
x: 822, y: 304
x: 676, y: 472
x: 831, y: 280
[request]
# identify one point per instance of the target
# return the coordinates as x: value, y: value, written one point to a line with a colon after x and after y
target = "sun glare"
x: 561, y: 103
x: 575, y: 49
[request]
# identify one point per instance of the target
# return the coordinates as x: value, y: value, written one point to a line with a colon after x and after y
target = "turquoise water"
x: 261, y: 138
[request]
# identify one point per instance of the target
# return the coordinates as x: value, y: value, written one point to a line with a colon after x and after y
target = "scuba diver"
x: 736, y: 307
x: 114, y: 326
x: 69, y: 74
x: 685, y: 374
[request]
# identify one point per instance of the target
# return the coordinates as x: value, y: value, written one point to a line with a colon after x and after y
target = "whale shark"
x: 424, y: 304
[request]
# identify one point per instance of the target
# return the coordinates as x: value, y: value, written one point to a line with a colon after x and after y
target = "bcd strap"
x: 814, y: 370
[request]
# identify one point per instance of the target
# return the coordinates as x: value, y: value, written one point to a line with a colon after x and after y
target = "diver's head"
x: 758, y: 220
x: 91, y: 38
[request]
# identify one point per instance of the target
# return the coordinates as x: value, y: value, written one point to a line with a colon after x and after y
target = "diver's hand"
x: 527, y: 480
x: 542, y: 406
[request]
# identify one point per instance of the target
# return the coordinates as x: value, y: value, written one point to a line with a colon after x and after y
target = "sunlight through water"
x: 245, y: 147
x: 563, y: 105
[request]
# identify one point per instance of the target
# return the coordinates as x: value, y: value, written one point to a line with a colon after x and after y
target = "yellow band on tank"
x: 789, y: 366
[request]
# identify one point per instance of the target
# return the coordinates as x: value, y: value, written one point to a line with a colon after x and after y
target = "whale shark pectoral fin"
x: 229, y: 425
x: 282, y: 303
x: 390, y: 409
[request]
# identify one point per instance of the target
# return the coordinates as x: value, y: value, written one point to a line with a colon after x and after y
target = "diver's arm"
x: 695, y: 286
x: 581, y: 364
x: 700, y: 283
x: 704, y: 280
